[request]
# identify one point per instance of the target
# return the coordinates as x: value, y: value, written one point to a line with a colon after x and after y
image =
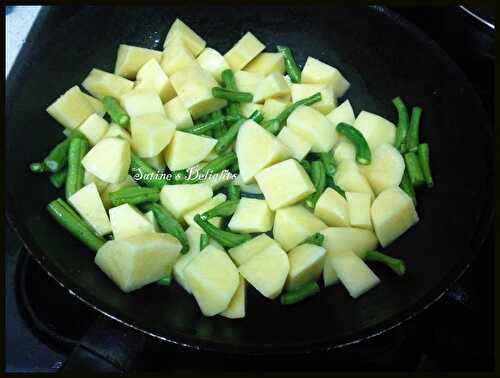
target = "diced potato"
x: 178, y: 114
x: 248, y: 81
x: 140, y: 102
x: 129, y: 181
x: 151, y: 133
x: 109, y: 160
x: 350, y: 179
x: 314, y: 127
x: 176, y: 56
x: 150, y: 216
x: 338, y: 239
x: 130, y: 59
x: 273, y: 107
x: 151, y: 76
x: 179, y: 199
x: 193, y: 235
x: 345, y: 150
x: 342, y: 113
x: 210, y: 204
x: 251, y: 215
x: 393, y: 212
x: 236, y: 308
x: 127, y: 221
x: 100, y: 83
x: 317, y: 72
x: 359, y: 209
x: 328, y: 100
x: 332, y: 208
x: 244, y: 252
x: 116, y: 131
x: 89, y: 178
x: 212, y: 61
x: 213, y: 279
x: 248, y: 108
x: 256, y: 149
x: 294, y: 224
x: 71, y: 109
x: 194, y: 87
x: 94, y: 128
x: 247, y: 48
x: 157, y: 162
x: 267, y: 271
x: 329, y: 275
x: 88, y: 204
x: 267, y: 62
x: 375, y: 129
x: 306, y: 265
x: 193, y: 41
x: 284, y: 184
x: 299, y: 147
x: 96, y: 104
x: 386, y: 168
x: 134, y: 262
x: 274, y: 85
x: 186, y: 150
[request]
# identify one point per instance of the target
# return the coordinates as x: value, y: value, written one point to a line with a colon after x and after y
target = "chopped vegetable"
x: 225, y: 209
x: 144, y: 173
x: 216, y: 165
x: 202, y: 128
x: 318, y: 178
x: 423, y: 158
x: 233, y: 192
x: 165, y: 281
x: 290, y: 65
x: 299, y: 294
x: 231, y: 95
x: 225, y: 238
x: 397, y: 265
x: 407, y: 186
x: 329, y: 163
x: 316, y: 239
x: 230, y: 83
x: 412, y: 138
x: 363, y: 153
x: 403, y: 124
x: 134, y: 195
x: 115, y: 111
x: 58, y: 179
x: 230, y: 136
x: 78, y: 147
x: 414, y: 170
x: 204, y: 240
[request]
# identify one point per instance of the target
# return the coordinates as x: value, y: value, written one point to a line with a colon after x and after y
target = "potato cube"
x: 247, y: 250
x: 332, y: 208
x: 248, y: 108
x: 210, y: 204
x: 109, y: 159
x: 314, y: 127
x: 375, y: 129
x: 151, y: 76
x: 212, y: 61
x: 89, y: 178
x: 294, y: 224
x: 317, y: 72
x: 180, y: 199
x: 130, y: 59
x: 247, y: 48
x: 193, y: 41
x: 329, y: 275
x: 178, y: 114
x: 306, y: 264
x: 267, y: 271
x: 115, y: 131
x: 273, y: 107
x: 101, y: 83
x: 150, y: 216
x: 96, y: 104
x: 127, y: 221
x: 194, y: 87
x: 248, y: 81
x: 94, y: 128
x: 139, y: 102
x: 393, y: 212
x: 88, y: 204
x: 274, y: 85
x: 213, y: 279
x: 341, y: 239
x: 267, y: 62
x: 71, y: 109
x: 176, y: 56
x: 129, y: 181
x: 345, y: 150
x: 250, y: 187
x: 359, y: 209
x: 251, y: 215
x: 298, y: 146
x: 284, y: 184
x: 157, y: 162
x: 350, y: 179
x: 236, y: 308
x: 328, y: 100
x: 151, y: 133
x: 342, y: 113
x: 193, y: 235
x: 186, y: 150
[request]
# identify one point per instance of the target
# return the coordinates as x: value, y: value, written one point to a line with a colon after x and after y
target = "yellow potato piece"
x: 248, y: 108
x: 350, y: 179
x: 248, y: 81
x: 345, y: 150
x: 94, y: 128
x: 193, y: 235
x: 274, y: 85
x: 342, y: 113
x: 96, y: 104
x: 212, y: 61
x: 157, y: 162
x: 88, y: 204
x: 236, y: 308
x: 247, y: 250
x: 273, y: 107
x: 332, y: 208
x: 71, y: 109
x: 186, y: 149
x: 299, y: 147
x: 142, y: 102
x: 130, y: 59
x: 247, y: 48
x: 176, y: 57
x: 375, y: 129
x: 359, y: 209
x: 210, y: 204
x: 349, y: 239
x: 151, y: 133
x: 193, y: 41
x: 317, y: 72
x: 117, y: 131
x: 89, y: 178
x: 127, y: 221
x: 306, y: 265
x: 178, y: 114
x: 180, y: 199
x: 151, y: 76
x: 100, y: 83
x: 328, y: 100
x: 267, y: 62
x: 150, y: 216
x: 251, y: 215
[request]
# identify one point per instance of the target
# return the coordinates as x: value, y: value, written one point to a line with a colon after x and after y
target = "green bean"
x: 424, y: 159
x: 180, y: 177
x: 298, y: 295
x: 229, y: 80
x: 168, y: 223
x: 318, y: 178
x: 397, y: 265
x: 225, y: 238
x: 306, y: 164
x: 412, y: 138
x: 316, y: 239
x: 233, y: 118
x: 116, y: 112
x: 221, y: 130
x: 134, y: 195
x: 215, y: 166
x: 74, y: 224
x: 225, y: 209
x: 204, y: 240
x: 226, y: 140
x: 74, y: 181
x: 414, y: 170
x: 407, y: 186
x: 363, y: 153
x: 203, y: 128
x: 329, y: 163
x: 144, y: 173
x: 58, y: 179
x: 403, y: 124
x: 230, y: 95
x: 165, y: 281
x: 235, y: 167
x: 290, y: 65
x: 331, y: 184
x: 233, y: 192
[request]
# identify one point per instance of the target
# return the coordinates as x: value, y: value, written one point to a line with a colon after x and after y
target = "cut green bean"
x: 116, y: 112
x: 363, y: 153
x: 318, y: 178
x: 316, y: 239
x: 403, y: 124
x: 143, y: 173
x: 74, y: 224
x: 203, y: 128
x: 204, y: 240
x: 412, y: 138
x: 215, y: 166
x: 220, y: 130
x: 180, y: 177
x: 225, y: 209
x: 291, y: 67
x: 229, y: 80
x: 407, y: 186
x: 225, y: 238
x: 424, y: 160
x: 306, y: 164
x: 235, y: 167
x: 233, y: 118
x: 298, y: 295
x: 329, y: 163
x: 397, y: 265
x: 414, y: 170
x: 165, y: 281
x: 229, y: 137
x: 230, y: 95
x: 78, y: 147
x: 233, y: 192
x: 58, y: 179
x: 134, y: 195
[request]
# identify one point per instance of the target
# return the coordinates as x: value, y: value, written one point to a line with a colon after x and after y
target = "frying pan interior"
x: 380, y: 54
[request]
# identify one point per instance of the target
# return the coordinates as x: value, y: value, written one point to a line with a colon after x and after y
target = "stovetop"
x: 455, y: 334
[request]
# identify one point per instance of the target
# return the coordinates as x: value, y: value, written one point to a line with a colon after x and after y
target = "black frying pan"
x: 381, y: 54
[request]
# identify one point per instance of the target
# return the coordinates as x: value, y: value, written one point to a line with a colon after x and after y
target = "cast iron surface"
x: 381, y: 55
